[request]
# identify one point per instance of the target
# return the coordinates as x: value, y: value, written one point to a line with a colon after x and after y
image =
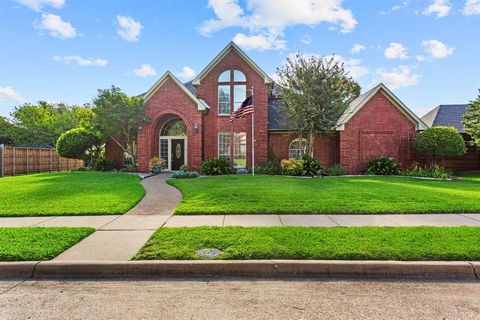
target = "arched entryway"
x: 173, y: 142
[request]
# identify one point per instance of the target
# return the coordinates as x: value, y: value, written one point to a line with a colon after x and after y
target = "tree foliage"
x: 118, y: 117
x: 440, y: 142
x: 43, y: 123
x: 315, y: 92
x: 75, y: 143
x: 471, y: 120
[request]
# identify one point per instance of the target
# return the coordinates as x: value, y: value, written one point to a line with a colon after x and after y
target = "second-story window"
x: 232, y: 91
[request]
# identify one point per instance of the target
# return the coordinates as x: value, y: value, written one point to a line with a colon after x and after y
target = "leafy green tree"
x: 440, y: 142
x: 315, y: 92
x: 118, y: 117
x: 5, y: 131
x: 42, y: 124
x: 77, y: 143
x: 471, y: 120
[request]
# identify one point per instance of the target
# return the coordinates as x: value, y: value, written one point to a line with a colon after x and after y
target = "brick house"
x: 190, y: 121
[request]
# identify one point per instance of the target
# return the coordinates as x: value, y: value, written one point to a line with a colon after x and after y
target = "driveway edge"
x: 260, y: 268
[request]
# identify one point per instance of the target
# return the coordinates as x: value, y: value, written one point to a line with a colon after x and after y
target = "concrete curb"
x: 260, y: 268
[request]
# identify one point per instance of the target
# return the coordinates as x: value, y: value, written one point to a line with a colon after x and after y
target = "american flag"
x: 245, y: 108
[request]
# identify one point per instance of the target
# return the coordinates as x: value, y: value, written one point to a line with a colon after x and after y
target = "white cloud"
x: 437, y: 49
x: 57, y: 27
x: 306, y: 39
x: 398, y: 77
x: 472, y: 7
x: 145, y: 70
x: 354, y: 67
x: 267, y: 19
x: 439, y: 7
x: 128, y: 28
x: 259, y: 42
x: 37, y: 5
x: 396, y: 7
x: 421, y: 58
x: 396, y: 51
x: 83, y: 62
x: 10, y: 94
x: 187, y: 73
x: 357, y: 48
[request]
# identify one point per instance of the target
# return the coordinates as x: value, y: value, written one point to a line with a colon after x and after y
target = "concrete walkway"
x: 121, y: 237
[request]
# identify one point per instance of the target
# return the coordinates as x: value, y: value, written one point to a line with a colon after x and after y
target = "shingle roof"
x: 277, y: 116
x: 446, y: 115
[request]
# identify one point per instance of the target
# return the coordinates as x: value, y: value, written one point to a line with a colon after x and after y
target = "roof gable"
x: 362, y: 100
x: 450, y: 115
x: 231, y: 46
x: 202, y: 105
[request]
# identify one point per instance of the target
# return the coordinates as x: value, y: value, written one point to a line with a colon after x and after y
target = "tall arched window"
x: 232, y: 91
x: 297, y: 148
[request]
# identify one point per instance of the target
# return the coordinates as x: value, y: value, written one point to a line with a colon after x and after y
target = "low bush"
x: 184, y: 167
x: 156, y: 164
x: 312, y: 168
x: 130, y: 168
x: 271, y: 167
x: 75, y: 142
x: 336, y: 170
x: 103, y: 164
x: 382, y: 166
x: 185, y: 174
x: 292, y: 167
x: 216, y: 167
x: 435, y: 172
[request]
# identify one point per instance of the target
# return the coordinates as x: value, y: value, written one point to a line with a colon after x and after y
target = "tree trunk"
x: 311, y: 142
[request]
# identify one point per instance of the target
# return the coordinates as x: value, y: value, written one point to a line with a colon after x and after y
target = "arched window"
x: 232, y: 91
x: 297, y: 148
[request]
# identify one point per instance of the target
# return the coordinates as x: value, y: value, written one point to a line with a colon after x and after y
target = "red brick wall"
x: 115, y: 153
x: 213, y: 123
x: 378, y: 129
x: 167, y: 100
x: 326, y: 149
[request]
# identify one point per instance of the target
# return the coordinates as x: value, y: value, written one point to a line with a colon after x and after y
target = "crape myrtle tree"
x: 471, y: 120
x: 78, y: 143
x: 440, y: 142
x: 315, y: 92
x: 118, y: 117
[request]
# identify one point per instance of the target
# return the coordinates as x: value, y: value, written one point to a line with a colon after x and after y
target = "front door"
x: 178, y: 153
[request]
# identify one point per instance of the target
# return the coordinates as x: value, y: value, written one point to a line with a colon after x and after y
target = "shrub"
x: 440, y: 142
x: 130, y: 168
x: 102, y: 164
x: 215, y: 167
x: 185, y: 174
x: 312, y: 168
x: 184, y: 167
x: 292, y: 167
x: 75, y: 142
x: 436, y: 172
x: 271, y: 166
x: 382, y: 166
x: 336, y: 170
x: 156, y: 164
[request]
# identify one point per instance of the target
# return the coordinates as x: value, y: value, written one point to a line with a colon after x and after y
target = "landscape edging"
x: 260, y: 268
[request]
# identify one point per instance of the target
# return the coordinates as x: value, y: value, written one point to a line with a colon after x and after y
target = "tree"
x: 42, y: 124
x: 440, y: 142
x: 315, y: 92
x: 471, y: 120
x: 118, y: 117
x: 76, y: 142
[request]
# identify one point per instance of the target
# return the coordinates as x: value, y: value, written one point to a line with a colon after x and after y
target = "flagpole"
x: 253, y: 136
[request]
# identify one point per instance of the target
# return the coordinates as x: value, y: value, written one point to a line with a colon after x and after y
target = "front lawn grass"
x: 242, y: 194
x: 358, y: 243
x: 38, y: 243
x: 69, y: 193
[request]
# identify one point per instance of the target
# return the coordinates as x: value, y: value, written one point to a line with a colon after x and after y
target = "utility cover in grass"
x: 208, y: 253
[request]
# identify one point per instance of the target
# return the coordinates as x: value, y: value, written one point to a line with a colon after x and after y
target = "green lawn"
x: 365, y: 243
x: 242, y: 194
x: 69, y: 193
x: 33, y: 244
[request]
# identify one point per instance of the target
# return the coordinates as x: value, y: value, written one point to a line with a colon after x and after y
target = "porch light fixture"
x: 195, y: 127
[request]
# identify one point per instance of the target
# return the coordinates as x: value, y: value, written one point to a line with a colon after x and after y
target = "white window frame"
x: 298, y: 150
x: 229, y: 155
x: 235, y: 148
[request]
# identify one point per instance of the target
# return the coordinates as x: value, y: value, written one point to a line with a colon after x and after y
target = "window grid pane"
x: 238, y: 76
x: 239, y: 95
x: 164, y: 151
x: 224, y: 77
x: 224, y: 145
x: 224, y: 99
x: 240, y: 149
x: 297, y: 149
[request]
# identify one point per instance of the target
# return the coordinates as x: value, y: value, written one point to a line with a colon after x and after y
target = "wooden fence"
x: 20, y: 160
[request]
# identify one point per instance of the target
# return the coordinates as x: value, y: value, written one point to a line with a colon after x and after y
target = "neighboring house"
x: 452, y: 115
x: 190, y: 121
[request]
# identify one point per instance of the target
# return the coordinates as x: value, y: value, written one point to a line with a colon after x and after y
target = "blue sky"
x: 427, y: 51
